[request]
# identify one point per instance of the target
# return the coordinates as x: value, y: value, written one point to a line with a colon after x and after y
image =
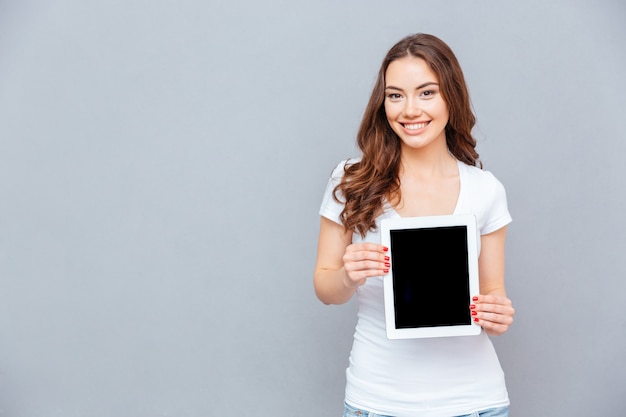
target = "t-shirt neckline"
x: 459, y: 199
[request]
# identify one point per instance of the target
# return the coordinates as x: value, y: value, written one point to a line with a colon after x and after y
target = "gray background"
x: 161, y: 168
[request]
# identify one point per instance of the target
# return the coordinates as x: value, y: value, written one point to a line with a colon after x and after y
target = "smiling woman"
x: 418, y: 159
x: 418, y: 114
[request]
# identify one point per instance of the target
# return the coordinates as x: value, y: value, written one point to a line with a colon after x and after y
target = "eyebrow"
x: 419, y: 87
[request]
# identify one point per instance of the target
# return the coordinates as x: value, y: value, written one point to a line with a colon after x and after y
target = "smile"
x: 415, y: 126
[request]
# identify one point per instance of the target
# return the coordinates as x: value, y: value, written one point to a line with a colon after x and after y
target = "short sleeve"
x: 330, y: 208
x: 498, y: 214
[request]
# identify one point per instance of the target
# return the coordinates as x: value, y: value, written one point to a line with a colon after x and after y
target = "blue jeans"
x: 350, y: 411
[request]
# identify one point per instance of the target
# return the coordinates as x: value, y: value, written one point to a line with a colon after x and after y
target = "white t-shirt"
x: 436, y: 377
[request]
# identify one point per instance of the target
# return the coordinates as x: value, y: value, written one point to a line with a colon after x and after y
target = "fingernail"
x: 474, y: 313
x: 476, y: 319
x: 475, y: 298
x: 386, y: 258
x: 387, y: 264
x: 472, y: 306
x: 385, y: 271
x: 385, y: 248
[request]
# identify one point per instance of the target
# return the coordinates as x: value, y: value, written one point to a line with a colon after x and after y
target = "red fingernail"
x: 475, y: 298
x: 474, y: 313
x: 386, y: 258
x: 385, y: 271
x: 476, y: 319
x: 387, y: 264
x: 385, y: 248
x: 472, y: 306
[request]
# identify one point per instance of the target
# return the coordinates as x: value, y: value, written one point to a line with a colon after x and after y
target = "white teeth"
x: 415, y: 126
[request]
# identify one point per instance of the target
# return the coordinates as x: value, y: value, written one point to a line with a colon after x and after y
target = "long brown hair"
x: 367, y: 182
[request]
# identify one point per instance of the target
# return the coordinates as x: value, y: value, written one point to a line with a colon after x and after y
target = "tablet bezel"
x: 405, y: 223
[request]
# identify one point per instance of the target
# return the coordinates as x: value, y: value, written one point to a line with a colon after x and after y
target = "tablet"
x: 433, y: 275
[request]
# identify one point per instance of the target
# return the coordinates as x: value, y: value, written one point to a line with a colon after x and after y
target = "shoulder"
x: 481, y: 182
x: 340, y: 169
x: 485, y: 197
x: 479, y: 176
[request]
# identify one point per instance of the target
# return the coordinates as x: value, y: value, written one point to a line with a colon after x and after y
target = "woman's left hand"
x: 494, y: 313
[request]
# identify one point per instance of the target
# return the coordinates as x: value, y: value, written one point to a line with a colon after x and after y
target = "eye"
x: 394, y: 96
x: 428, y: 93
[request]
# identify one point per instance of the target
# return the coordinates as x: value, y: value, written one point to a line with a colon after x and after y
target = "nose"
x: 412, y: 108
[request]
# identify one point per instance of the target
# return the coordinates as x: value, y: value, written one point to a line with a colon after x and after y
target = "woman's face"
x: 414, y: 106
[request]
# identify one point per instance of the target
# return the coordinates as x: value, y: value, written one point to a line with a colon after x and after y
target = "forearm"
x: 330, y: 286
x: 492, y: 308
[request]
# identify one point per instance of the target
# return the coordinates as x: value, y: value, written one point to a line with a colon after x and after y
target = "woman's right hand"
x: 342, y: 266
x: 364, y: 260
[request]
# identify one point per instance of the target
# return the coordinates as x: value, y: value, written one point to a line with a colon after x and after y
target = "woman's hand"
x: 364, y: 260
x: 342, y: 266
x: 494, y: 313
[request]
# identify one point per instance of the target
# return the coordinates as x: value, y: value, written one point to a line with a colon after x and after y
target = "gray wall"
x: 161, y: 167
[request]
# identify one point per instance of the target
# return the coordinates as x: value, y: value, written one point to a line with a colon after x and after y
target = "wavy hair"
x: 367, y: 182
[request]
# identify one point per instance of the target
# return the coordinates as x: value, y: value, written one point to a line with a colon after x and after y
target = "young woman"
x: 418, y: 159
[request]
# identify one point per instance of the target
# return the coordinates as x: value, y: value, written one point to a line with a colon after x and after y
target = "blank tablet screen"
x: 430, y: 277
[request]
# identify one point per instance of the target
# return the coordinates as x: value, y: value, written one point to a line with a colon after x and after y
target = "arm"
x: 492, y: 309
x: 341, y: 266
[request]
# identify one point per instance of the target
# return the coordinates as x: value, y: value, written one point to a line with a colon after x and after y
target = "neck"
x: 428, y: 162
